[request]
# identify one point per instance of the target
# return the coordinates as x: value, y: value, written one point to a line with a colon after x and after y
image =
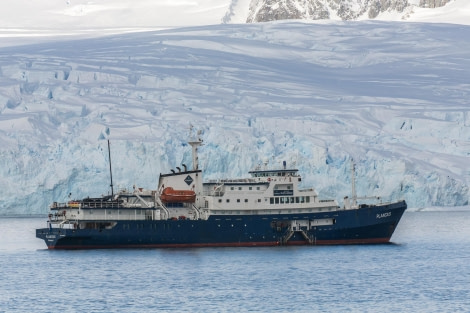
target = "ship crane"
x: 348, y: 205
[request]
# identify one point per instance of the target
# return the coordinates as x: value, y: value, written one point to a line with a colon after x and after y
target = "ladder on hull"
x: 291, y: 233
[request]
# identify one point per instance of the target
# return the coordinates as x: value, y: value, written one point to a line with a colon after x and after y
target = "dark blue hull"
x: 366, y: 225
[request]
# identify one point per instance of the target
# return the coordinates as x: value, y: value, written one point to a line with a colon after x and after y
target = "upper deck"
x: 275, y: 173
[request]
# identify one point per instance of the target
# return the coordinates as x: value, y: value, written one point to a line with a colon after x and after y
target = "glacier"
x: 392, y: 96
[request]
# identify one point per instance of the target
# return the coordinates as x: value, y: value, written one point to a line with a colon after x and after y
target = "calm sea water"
x: 427, y: 269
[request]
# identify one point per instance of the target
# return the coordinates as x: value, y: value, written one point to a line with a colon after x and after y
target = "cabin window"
x: 307, y: 199
x: 297, y: 200
x: 238, y: 200
x: 259, y: 200
x: 292, y: 200
x: 276, y: 200
x: 228, y: 200
x: 250, y: 188
x: 220, y: 200
x: 271, y: 200
x: 239, y: 188
x: 257, y: 188
x: 231, y: 188
x: 246, y: 200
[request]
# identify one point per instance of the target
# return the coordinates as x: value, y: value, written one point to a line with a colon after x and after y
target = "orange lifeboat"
x: 170, y: 195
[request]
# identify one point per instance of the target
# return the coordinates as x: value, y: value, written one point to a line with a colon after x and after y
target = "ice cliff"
x: 392, y: 96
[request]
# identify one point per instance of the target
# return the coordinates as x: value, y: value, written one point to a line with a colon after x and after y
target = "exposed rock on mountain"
x: 271, y: 10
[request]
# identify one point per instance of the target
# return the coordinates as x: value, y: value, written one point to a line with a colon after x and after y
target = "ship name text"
x: 382, y: 215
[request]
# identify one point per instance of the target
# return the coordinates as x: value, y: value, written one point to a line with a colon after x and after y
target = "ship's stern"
x: 49, y: 235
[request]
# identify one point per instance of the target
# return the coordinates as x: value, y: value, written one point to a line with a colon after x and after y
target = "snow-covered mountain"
x: 392, y: 96
x: 271, y: 10
x: 40, y: 18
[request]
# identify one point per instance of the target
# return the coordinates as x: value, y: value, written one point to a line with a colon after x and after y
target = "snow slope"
x: 393, y: 96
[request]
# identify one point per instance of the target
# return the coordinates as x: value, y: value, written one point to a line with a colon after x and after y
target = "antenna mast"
x: 353, y: 183
x: 110, y: 170
x: 195, y: 142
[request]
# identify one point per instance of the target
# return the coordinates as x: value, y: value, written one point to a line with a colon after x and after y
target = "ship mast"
x: 195, y: 142
x: 353, y: 184
x: 110, y: 170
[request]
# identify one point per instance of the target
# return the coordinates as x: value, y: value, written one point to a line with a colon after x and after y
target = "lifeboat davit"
x: 170, y: 195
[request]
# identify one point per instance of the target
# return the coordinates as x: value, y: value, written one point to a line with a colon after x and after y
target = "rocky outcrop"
x: 271, y: 10
x: 433, y: 3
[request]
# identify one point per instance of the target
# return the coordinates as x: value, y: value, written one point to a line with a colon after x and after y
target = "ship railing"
x: 237, y: 180
x: 101, y: 204
x: 63, y: 224
x: 58, y: 205
x: 90, y: 205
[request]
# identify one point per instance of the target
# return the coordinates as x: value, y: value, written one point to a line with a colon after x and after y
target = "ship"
x: 267, y: 208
